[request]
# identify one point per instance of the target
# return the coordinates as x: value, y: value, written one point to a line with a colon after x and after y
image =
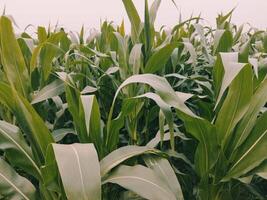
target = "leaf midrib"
x: 80, y: 171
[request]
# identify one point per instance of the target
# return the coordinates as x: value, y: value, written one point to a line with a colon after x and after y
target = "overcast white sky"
x: 72, y: 14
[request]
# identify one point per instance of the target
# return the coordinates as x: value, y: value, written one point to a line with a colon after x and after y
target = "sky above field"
x: 72, y: 14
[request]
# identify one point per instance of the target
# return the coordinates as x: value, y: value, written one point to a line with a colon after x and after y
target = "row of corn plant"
x: 153, y: 114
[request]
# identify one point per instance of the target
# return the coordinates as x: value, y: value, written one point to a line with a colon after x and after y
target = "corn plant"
x: 174, y: 113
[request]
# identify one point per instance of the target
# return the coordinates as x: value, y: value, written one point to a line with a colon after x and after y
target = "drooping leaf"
x: 163, y: 89
x: 53, y: 89
x: 165, y: 108
x: 59, y: 134
x: 17, y: 150
x: 157, y: 139
x: 119, y: 155
x: 141, y: 180
x: 14, y: 186
x: 162, y: 168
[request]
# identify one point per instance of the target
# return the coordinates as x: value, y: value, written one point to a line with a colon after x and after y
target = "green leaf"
x: 119, y: 155
x: 165, y: 108
x: 260, y: 170
x: 163, y: 169
x: 51, y: 90
x: 235, y: 105
x: 28, y: 119
x: 6, y: 97
x: 163, y: 89
x: 14, y: 186
x: 141, y: 180
x: 223, y: 41
x: 226, y: 69
x: 16, y: 149
x: 59, y: 134
x: 92, y: 119
x: 148, y: 32
x: 157, y: 139
x: 79, y: 170
x: 42, y: 35
x: 46, y: 52
x: 193, y: 55
x: 161, y: 127
x: 123, y: 55
x: 246, y: 125
x: 136, y: 58
x: 158, y: 60
x: 221, y: 19
x: 252, y: 152
x: 153, y: 11
x: 76, y: 109
x: 26, y: 46
x: 134, y: 19
x: 243, y: 55
x: 207, y: 150
x: 12, y: 58
x: 32, y: 124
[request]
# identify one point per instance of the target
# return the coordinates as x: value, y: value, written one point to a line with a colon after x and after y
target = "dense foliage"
x: 155, y: 114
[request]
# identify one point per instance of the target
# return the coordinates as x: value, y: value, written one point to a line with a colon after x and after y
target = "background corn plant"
x: 154, y: 114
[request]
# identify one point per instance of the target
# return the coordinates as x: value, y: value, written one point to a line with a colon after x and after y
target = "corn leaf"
x: 81, y: 164
x: 141, y: 180
x: 12, y: 58
x: 14, y: 186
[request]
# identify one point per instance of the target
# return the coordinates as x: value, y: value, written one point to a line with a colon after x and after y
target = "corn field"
x: 164, y: 114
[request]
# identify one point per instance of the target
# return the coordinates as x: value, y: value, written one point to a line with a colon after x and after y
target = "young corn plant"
x: 154, y: 114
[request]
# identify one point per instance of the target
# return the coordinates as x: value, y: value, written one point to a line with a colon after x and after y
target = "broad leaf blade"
x: 79, y: 170
x: 141, y: 180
